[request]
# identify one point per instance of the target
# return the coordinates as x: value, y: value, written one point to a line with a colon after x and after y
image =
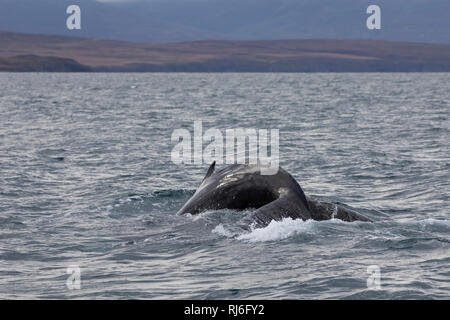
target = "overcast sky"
x: 187, y: 20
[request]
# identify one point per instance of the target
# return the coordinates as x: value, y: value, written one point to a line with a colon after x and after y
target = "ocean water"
x: 87, y: 181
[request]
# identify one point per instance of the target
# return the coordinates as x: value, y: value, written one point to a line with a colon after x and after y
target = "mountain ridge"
x: 307, y: 55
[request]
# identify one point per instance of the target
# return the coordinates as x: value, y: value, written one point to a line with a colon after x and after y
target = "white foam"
x: 431, y: 222
x: 279, y: 230
x: 220, y: 230
x: 198, y: 216
x: 427, y: 223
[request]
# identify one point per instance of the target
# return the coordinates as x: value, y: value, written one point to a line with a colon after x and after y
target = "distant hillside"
x: 32, y: 63
x: 192, y: 20
x: 58, y: 53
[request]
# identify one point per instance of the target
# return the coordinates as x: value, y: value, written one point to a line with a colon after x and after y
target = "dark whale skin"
x: 274, y: 197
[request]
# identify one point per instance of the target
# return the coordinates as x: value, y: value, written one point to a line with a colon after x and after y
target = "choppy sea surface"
x: 87, y: 181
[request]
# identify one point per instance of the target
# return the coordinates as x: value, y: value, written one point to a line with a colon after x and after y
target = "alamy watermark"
x: 73, y: 282
x: 73, y: 22
x: 373, y: 22
x: 232, y: 146
x: 374, y: 279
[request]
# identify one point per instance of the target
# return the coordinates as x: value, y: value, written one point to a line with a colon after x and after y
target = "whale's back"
x: 241, y: 187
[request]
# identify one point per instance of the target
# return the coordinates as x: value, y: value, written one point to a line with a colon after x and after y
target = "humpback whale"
x: 241, y: 186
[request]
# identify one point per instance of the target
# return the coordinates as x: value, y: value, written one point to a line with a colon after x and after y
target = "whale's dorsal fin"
x: 211, y: 169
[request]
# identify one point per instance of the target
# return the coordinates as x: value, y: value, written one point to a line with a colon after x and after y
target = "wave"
x: 276, y: 230
x: 157, y: 194
x: 160, y: 199
x: 201, y: 216
x: 280, y: 230
x: 172, y: 193
x: 429, y: 224
x: 288, y: 227
x: 221, y: 230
